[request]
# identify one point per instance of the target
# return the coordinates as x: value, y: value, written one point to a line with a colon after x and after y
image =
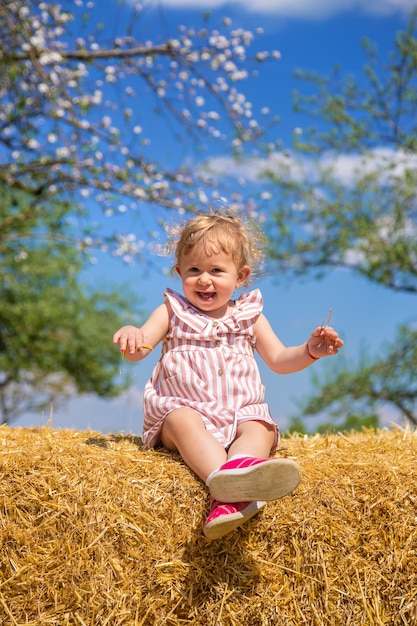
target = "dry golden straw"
x: 97, y: 532
x: 145, y: 346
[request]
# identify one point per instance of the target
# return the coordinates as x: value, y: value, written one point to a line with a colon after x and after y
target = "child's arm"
x: 136, y: 343
x: 324, y: 341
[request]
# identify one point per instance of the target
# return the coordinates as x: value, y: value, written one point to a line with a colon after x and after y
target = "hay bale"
x: 95, y: 531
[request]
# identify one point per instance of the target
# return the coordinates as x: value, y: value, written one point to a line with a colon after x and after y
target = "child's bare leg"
x: 184, y: 431
x: 253, y: 438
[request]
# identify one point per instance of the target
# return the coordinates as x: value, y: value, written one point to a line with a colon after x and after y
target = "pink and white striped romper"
x: 208, y: 365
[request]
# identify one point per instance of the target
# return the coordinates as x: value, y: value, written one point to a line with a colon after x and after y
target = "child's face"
x: 209, y: 279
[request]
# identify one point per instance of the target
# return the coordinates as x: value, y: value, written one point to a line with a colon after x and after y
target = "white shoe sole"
x: 270, y: 480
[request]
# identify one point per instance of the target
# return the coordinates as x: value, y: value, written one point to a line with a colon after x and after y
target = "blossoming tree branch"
x: 75, y: 99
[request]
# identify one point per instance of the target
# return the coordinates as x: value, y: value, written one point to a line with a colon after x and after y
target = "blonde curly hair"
x: 221, y: 231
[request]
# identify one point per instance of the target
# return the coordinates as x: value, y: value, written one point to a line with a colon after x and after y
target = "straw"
x: 96, y: 531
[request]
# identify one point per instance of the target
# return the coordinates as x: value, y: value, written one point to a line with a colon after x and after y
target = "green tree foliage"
x: 348, y: 199
x: 54, y: 333
x: 356, y: 393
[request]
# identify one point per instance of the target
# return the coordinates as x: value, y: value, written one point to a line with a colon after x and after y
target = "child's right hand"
x: 130, y: 340
x: 136, y: 343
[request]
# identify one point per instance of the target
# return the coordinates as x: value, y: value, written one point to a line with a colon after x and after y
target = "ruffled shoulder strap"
x: 248, y: 306
x: 185, y: 311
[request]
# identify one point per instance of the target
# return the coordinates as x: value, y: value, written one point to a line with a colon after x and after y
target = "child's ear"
x: 178, y: 270
x: 243, y: 275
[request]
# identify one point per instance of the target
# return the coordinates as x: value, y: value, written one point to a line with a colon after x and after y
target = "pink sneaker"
x: 251, y: 479
x: 224, y: 518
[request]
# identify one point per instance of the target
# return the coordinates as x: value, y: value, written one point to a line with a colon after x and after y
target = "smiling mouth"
x: 207, y: 296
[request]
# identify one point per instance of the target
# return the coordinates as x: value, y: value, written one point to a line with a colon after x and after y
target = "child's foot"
x: 224, y: 518
x: 251, y: 479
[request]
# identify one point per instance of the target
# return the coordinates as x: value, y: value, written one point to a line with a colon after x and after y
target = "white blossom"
x: 97, y: 97
x: 219, y: 41
x: 37, y: 41
x: 50, y: 57
x: 62, y: 152
x: 22, y: 255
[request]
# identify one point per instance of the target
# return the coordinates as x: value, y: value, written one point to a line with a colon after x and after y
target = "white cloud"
x: 316, y: 9
x: 346, y: 167
x: 253, y: 170
x: 387, y: 162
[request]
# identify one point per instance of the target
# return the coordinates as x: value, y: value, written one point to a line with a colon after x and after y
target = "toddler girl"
x: 205, y: 398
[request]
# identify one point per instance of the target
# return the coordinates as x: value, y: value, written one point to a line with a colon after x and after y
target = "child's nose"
x: 204, y: 279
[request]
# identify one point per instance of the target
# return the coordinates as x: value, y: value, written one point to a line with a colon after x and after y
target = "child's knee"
x: 180, y: 420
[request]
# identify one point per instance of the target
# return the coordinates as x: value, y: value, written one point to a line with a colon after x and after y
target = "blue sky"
x: 312, y: 35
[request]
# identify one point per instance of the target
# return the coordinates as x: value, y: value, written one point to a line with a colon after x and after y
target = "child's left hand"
x: 324, y: 341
